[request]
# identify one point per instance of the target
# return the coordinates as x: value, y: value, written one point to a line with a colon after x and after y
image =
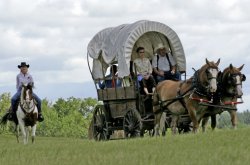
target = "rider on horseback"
x: 23, y: 78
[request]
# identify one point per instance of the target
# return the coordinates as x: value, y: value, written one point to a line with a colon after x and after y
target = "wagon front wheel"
x: 100, y: 126
x: 132, y: 124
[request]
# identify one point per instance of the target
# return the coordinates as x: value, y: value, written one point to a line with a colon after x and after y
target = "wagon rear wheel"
x: 100, y: 126
x: 132, y: 124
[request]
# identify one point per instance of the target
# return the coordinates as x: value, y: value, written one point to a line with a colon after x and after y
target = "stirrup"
x: 40, y: 117
x: 10, y: 116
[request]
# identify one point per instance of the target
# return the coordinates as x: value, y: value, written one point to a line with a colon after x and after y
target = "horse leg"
x: 233, y: 118
x: 213, y: 121
x: 27, y: 134
x: 33, y: 133
x: 23, y: 132
x: 157, y: 123
x: 173, y: 124
x: 17, y: 133
x: 204, y: 123
x: 163, y: 124
x: 192, y: 115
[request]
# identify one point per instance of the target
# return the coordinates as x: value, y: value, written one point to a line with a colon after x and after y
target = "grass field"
x: 220, y: 147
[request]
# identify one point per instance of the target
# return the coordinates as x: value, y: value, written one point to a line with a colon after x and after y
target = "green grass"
x: 219, y: 147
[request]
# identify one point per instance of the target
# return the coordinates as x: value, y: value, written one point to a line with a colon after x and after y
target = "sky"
x: 52, y: 36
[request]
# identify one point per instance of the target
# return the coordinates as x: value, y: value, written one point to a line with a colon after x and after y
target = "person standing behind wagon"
x: 144, y: 71
x: 164, y: 65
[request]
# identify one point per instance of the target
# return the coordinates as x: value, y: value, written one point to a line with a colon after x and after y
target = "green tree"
x: 67, y: 117
x: 4, y: 106
x: 4, y: 102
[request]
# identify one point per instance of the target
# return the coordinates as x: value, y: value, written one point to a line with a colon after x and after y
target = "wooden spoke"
x: 132, y: 124
x: 100, y: 128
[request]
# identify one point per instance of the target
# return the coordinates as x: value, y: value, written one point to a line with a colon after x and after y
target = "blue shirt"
x: 108, y: 82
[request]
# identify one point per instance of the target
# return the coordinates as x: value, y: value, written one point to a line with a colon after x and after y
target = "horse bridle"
x: 231, y: 80
x: 25, y: 105
x: 200, y: 89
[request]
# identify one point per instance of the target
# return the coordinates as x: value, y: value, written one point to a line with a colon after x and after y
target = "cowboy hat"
x: 23, y: 64
x: 161, y: 46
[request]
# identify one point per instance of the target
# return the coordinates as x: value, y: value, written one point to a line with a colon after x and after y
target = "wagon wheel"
x: 185, y: 129
x: 132, y: 124
x: 100, y: 126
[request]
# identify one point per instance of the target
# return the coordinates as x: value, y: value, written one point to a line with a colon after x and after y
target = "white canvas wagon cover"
x: 118, y: 45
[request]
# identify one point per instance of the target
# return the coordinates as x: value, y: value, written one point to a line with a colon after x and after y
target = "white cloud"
x: 245, y: 105
x: 52, y: 36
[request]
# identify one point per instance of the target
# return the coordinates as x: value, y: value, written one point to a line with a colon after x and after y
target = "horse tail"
x: 156, y: 102
x: 4, y: 119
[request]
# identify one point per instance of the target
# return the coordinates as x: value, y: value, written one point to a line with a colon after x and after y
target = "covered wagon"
x: 123, y: 107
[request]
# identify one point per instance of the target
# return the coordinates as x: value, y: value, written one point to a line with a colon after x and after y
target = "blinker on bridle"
x: 209, y: 75
x: 233, y: 80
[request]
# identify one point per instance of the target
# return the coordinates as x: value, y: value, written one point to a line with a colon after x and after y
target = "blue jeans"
x: 169, y: 76
x: 17, y: 96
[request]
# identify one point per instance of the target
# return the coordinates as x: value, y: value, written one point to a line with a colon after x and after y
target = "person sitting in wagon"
x: 143, y: 69
x: 111, y: 80
x: 164, y: 65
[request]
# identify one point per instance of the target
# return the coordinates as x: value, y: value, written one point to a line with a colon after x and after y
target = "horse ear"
x: 231, y: 66
x: 207, y: 61
x: 241, y: 67
x: 31, y: 84
x: 243, y: 77
x: 218, y: 62
x: 219, y: 73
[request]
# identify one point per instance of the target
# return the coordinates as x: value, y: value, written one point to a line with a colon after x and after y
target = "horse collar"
x: 198, y: 88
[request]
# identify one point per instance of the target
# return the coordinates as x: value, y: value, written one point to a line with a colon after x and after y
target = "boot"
x: 40, y: 116
x: 10, y: 114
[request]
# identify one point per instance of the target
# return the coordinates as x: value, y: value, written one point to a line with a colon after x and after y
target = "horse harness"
x: 196, y: 87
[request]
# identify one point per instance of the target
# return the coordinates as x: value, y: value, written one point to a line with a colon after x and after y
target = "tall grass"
x: 219, y: 147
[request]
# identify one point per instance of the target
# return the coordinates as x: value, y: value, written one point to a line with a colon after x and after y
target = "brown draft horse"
x: 179, y: 97
x: 229, y: 90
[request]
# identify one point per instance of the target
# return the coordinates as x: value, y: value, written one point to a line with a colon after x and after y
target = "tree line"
x: 71, y: 117
x: 64, y: 118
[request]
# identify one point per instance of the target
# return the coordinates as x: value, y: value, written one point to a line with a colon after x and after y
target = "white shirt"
x: 23, y: 79
x: 143, y: 66
x: 163, y: 63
